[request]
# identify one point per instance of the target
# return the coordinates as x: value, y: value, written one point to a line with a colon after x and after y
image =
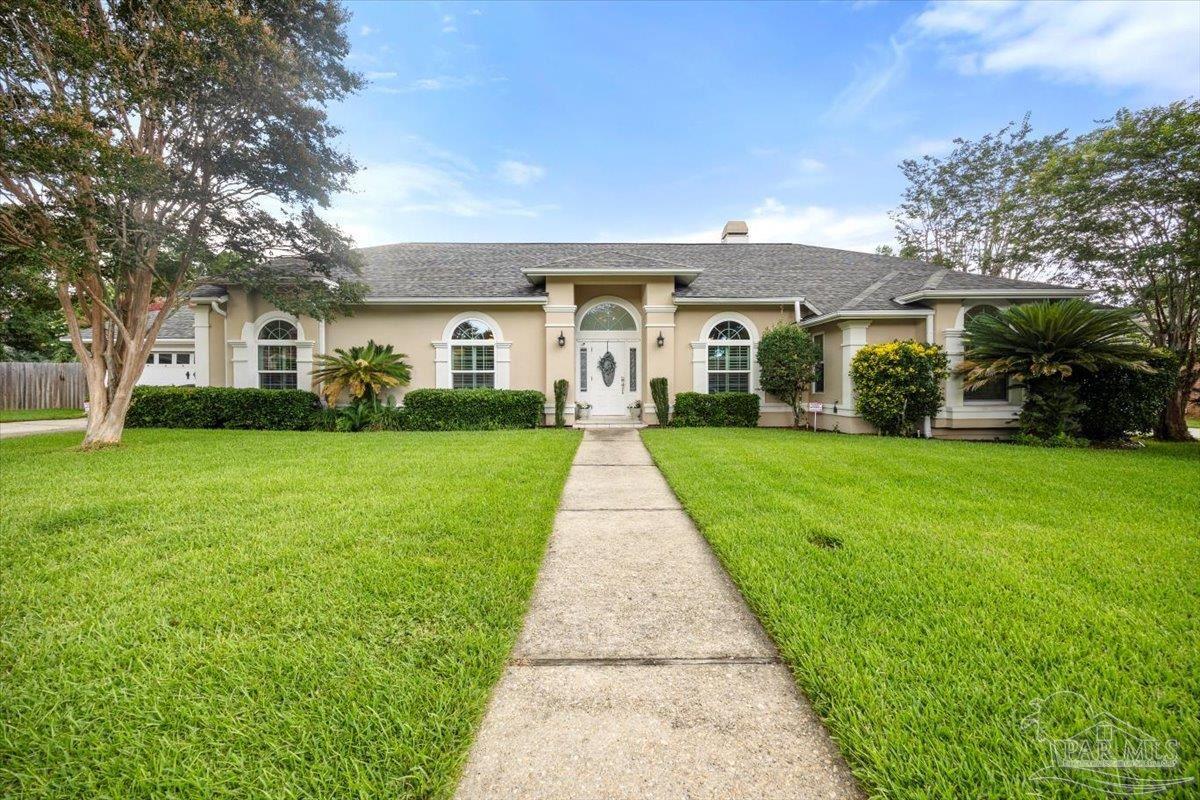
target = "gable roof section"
x: 828, y: 280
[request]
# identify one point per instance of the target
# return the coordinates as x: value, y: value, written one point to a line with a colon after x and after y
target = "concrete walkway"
x: 640, y: 672
x: 11, y: 430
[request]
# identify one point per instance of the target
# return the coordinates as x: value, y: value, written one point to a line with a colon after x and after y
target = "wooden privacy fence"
x: 25, y: 384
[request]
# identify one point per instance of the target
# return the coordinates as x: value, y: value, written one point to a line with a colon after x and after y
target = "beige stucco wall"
x: 536, y: 359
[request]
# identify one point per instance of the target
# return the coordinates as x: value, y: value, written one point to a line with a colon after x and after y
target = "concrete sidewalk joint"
x: 640, y: 671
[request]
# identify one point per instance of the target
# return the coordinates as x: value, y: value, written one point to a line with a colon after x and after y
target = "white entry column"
x: 854, y: 338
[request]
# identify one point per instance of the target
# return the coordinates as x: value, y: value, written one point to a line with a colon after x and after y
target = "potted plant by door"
x: 582, y: 410
x: 635, y: 410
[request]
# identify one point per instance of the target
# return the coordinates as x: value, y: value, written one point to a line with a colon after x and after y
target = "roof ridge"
x: 870, y: 290
x: 936, y: 278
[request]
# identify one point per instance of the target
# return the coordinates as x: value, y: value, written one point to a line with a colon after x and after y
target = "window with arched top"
x: 277, y: 355
x: 729, y: 358
x: 607, y: 316
x: 996, y: 391
x: 473, y: 355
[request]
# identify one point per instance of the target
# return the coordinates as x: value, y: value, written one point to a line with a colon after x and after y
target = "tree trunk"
x: 106, y: 417
x: 1172, y: 423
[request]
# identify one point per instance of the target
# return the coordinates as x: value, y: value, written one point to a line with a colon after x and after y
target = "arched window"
x: 728, y: 357
x: 607, y: 316
x: 473, y: 356
x: 997, y: 390
x: 277, y: 355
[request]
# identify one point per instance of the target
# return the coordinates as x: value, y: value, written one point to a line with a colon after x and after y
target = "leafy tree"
x: 31, y: 321
x: 898, y: 384
x: 969, y: 210
x: 787, y: 361
x: 138, y: 140
x: 363, y: 372
x: 1040, y: 346
x: 1122, y: 212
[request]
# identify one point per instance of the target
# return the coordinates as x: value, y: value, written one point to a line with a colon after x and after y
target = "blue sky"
x: 626, y: 121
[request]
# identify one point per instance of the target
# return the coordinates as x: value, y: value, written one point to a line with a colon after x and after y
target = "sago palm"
x: 362, y: 372
x: 1040, y: 345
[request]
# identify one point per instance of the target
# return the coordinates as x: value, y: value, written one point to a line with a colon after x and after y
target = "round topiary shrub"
x: 898, y: 384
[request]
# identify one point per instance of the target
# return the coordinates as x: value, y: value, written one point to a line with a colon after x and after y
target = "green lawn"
x: 245, y: 614
x: 27, y: 415
x: 972, y: 579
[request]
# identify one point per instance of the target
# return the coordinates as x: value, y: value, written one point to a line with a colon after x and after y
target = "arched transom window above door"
x: 607, y: 316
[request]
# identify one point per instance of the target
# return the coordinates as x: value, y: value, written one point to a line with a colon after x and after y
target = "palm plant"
x: 363, y: 372
x: 1039, y: 346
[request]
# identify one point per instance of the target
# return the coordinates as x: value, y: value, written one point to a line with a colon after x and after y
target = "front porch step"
x: 608, y: 422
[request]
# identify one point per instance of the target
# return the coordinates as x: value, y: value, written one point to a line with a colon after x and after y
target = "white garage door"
x: 169, y: 368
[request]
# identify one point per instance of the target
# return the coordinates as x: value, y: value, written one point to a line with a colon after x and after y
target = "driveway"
x: 11, y: 430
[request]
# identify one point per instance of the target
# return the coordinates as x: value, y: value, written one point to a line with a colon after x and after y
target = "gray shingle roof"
x: 829, y: 279
x: 180, y: 325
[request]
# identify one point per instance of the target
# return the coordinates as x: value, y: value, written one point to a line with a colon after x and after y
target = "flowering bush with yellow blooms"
x: 898, y: 384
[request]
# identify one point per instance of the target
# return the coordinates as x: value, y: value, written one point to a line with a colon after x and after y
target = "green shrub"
x: 220, y: 407
x: 787, y: 360
x: 560, y: 403
x: 721, y: 410
x: 473, y: 409
x: 1124, y: 401
x: 1057, y: 440
x: 898, y: 384
x: 389, y: 418
x: 662, y: 400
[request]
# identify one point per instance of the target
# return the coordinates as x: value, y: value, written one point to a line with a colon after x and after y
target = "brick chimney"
x: 735, y: 231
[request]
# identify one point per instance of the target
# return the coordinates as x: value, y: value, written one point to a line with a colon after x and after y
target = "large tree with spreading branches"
x: 146, y: 144
x: 1121, y: 212
x: 970, y: 209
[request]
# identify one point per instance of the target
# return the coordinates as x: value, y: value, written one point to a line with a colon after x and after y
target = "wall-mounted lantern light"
x: 660, y: 341
x: 562, y: 340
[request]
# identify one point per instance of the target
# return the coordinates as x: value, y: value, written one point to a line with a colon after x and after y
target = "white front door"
x: 609, y: 368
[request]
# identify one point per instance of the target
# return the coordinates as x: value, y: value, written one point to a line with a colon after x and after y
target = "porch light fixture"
x: 562, y: 340
x: 660, y: 341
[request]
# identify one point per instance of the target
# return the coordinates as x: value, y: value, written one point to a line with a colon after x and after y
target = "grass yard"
x: 247, y: 614
x: 972, y: 580
x: 31, y: 414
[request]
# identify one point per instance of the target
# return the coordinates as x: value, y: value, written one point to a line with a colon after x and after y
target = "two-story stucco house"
x: 609, y: 317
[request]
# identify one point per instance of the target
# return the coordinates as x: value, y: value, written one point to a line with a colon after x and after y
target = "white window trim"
x: 245, y: 352
x: 502, y: 361
x: 700, y: 351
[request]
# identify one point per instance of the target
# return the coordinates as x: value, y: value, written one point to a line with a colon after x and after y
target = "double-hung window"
x: 277, y: 355
x: 473, y: 356
x: 819, y: 381
x: 729, y: 358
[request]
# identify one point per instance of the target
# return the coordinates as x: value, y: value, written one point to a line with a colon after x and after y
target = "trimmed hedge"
x: 473, y: 409
x: 219, y: 407
x: 721, y: 410
x: 1121, y: 401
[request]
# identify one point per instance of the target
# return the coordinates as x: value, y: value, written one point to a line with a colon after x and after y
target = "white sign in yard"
x: 816, y: 408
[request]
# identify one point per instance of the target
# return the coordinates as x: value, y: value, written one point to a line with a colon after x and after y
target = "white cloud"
x: 380, y: 76
x: 476, y: 12
x: 926, y: 147
x: 871, y: 80
x: 519, y: 173
x: 772, y: 221
x: 1150, y: 45
x: 385, y: 197
x: 365, y: 30
x: 809, y: 166
x: 439, y: 83
x: 448, y: 25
